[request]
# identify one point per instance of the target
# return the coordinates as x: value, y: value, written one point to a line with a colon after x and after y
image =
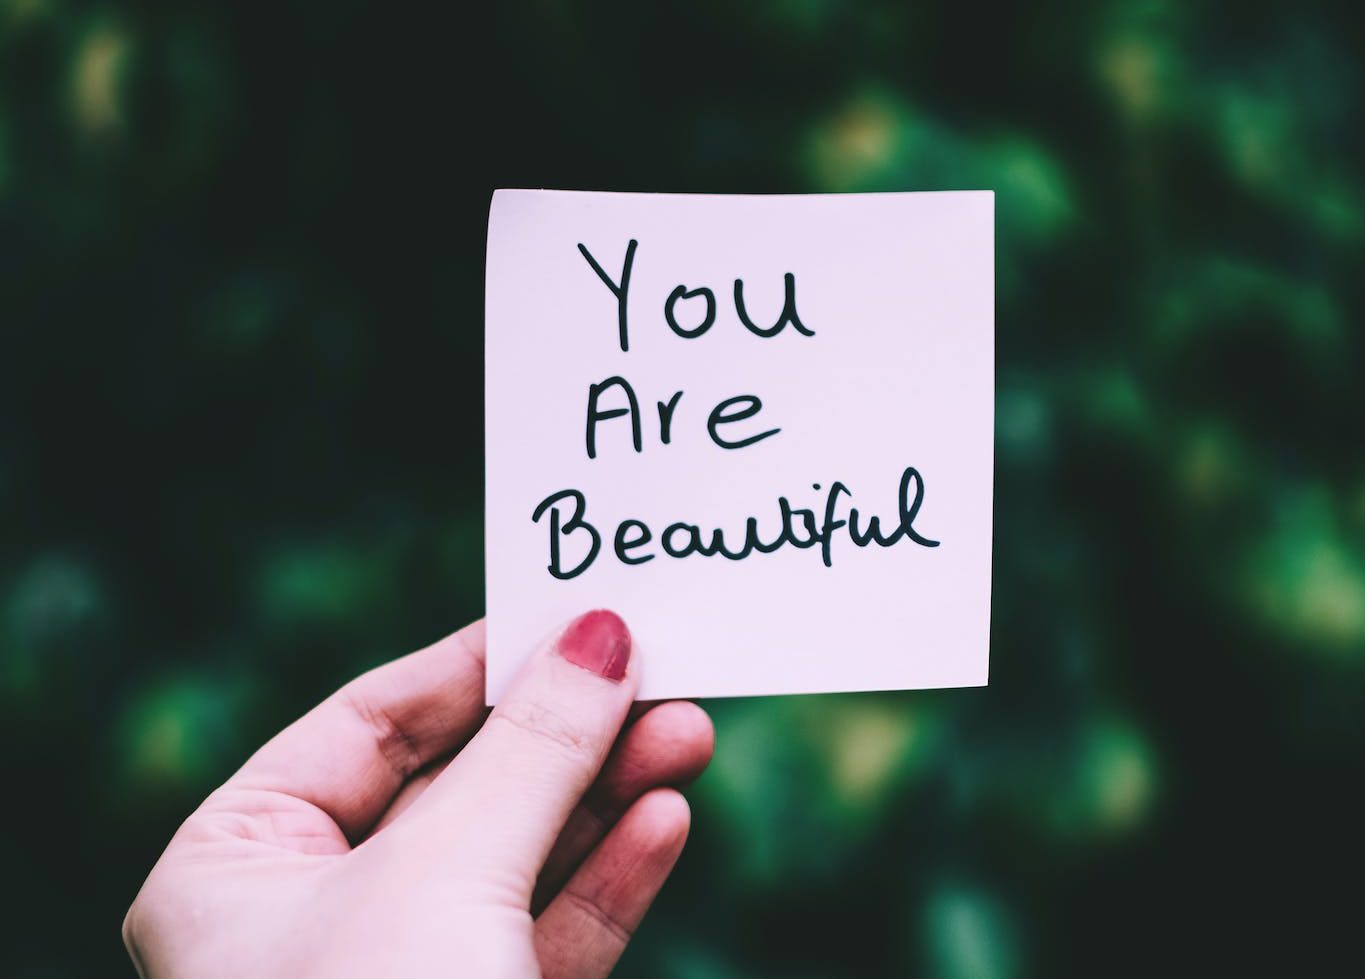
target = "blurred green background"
x: 241, y: 258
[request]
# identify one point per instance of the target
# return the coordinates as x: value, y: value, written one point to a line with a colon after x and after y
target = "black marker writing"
x: 619, y: 291
x: 788, y: 310
x: 719, y: 416
x: 597, y: 414
x: 728, y: 412
x: 798, y: 528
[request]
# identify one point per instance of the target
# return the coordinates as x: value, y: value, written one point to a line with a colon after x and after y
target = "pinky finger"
x: 584, y: 930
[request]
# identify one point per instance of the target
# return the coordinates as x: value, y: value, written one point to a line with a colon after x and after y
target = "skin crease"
x: 400, y: 829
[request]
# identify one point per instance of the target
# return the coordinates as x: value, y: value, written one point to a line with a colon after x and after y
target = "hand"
x: 395, y: 832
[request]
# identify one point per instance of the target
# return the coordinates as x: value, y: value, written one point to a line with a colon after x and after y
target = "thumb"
x: 510, y: 791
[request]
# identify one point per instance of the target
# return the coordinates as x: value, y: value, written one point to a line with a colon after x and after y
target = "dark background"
x: 241, y: 256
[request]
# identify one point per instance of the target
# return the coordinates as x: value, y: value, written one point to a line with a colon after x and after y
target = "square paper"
x: 833, y: 353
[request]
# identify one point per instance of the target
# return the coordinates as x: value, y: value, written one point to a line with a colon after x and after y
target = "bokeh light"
x: 240, y: 447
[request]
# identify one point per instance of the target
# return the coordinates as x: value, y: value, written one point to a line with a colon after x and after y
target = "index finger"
x: 351, y: 754
x: 508, y: 793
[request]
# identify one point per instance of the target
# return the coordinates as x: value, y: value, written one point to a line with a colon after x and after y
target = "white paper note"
x: 671, y: 375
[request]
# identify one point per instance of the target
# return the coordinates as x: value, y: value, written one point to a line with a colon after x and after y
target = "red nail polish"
x: 598, y: 641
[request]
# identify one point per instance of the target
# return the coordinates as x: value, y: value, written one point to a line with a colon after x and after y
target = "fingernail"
x: 598, y: 641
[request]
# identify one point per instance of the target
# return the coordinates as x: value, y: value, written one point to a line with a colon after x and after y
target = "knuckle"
x: 593, y: 910
x: 397, y: 746
x: 547, y: 727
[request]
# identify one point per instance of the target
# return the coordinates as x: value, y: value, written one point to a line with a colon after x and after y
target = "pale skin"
x: 398, y: 829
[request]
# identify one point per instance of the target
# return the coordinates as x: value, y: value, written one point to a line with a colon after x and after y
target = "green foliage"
x: 968, y: 936
x: 240, y: 389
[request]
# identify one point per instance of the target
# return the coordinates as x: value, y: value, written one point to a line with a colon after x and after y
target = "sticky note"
x: 760, y: 428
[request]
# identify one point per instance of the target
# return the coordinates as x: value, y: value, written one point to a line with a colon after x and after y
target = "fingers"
x: 351, y: 754
x: 509, y: 792
x: 410, y: 792
x: 586, y: 927
x: 669, y: 746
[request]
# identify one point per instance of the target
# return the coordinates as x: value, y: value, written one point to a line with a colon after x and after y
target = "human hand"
x: 393, y: 831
